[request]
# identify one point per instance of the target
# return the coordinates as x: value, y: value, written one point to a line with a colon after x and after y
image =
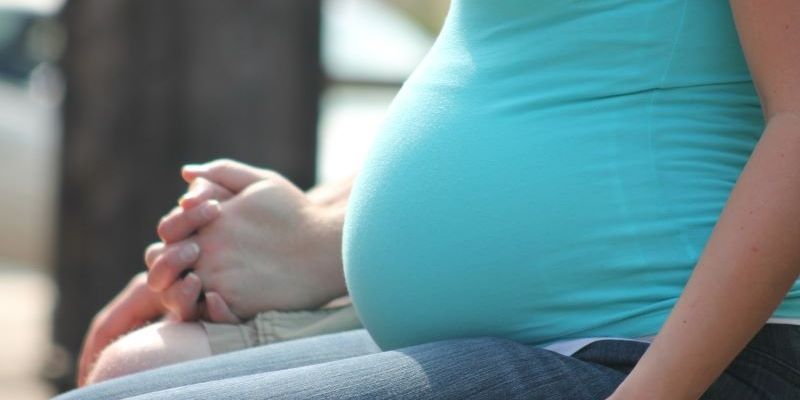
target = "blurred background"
x: 102, y: 101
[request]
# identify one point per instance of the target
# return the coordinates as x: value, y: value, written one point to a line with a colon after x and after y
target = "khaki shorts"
x: 275, y: 326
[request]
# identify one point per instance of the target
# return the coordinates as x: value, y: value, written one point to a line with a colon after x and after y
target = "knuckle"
x: 151, y: 253
x: 198, y: 182
x: 160, y: 273
x: 164, y: 227
x: 151, y: 248
x: 171, y: 230
x: 218, y: 190
x: 153, y: 282
x: 272, y: 176
x: 164, y: 233
x: 197, y: 214
x: 202, y: 185
x: 223, y: 163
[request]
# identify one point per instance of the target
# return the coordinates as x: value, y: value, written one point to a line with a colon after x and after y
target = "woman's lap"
x: 348, y: 365
x: 768, y: 368
x: 479, y: 368
x: 273, y: 357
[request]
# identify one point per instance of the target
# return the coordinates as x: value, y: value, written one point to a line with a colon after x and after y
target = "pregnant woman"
x: 568, y: 200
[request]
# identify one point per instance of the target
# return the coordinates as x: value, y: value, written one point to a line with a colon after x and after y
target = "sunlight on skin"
x: 155, y: 345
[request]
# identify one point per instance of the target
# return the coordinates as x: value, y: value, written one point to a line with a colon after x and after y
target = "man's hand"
x: 135, y: 306
x: 269, y: 247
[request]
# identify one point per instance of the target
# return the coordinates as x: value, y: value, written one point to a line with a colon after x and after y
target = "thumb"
x: 232, y: 175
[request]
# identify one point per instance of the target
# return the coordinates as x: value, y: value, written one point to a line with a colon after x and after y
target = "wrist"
x: 326, y: 267
x: 331, y: 194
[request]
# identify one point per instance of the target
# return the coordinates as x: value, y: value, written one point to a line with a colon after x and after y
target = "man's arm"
x: 135, y: 306
x: 332, y: 194
x: 752, y: 257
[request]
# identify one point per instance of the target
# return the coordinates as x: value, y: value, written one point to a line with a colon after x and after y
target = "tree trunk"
x: 155, y: 84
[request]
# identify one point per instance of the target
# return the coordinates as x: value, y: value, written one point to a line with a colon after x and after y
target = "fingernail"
x: 193, y: 280
x: 189, y: 252
x: 193, y: 168
x: 210, y: 209
x: 193, y: 191
x: 188, y: 195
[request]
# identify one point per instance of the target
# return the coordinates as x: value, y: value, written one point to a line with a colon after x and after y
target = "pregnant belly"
x: 545, y: 192
x: 458, y: 227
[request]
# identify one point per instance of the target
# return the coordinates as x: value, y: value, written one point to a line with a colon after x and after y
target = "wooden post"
x: 154, y: 84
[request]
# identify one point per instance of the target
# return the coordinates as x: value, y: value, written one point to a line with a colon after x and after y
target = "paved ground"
x: 28, y: 139
x: 27, y: 297
x: 28, y: 158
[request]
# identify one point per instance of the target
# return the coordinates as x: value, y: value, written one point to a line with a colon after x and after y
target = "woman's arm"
x: 753, y: 255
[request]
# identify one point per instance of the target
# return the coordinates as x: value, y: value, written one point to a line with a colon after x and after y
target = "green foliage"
x: 429, y: 14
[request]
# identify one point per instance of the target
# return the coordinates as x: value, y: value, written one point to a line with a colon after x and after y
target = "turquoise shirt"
x: 551, y: 170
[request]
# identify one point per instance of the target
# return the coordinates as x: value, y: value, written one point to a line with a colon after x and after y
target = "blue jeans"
x: 350, y: 366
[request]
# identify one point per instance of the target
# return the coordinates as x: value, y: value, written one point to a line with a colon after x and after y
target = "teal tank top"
x: 551, y: 170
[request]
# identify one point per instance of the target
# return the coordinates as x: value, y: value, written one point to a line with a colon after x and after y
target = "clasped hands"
x: 243, y: 240
x: 259, y: 256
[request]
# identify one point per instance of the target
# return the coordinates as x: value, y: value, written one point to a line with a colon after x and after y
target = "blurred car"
x: 28, y: 37
x: 30, y: 91
x: 16, y: 59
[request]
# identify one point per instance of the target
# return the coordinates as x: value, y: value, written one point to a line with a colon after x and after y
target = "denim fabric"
x: 768, y: 368
x: 350, y: 366
x: 273, y: 357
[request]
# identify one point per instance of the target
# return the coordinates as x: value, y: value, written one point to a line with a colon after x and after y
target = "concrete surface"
x: 27, y: 297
